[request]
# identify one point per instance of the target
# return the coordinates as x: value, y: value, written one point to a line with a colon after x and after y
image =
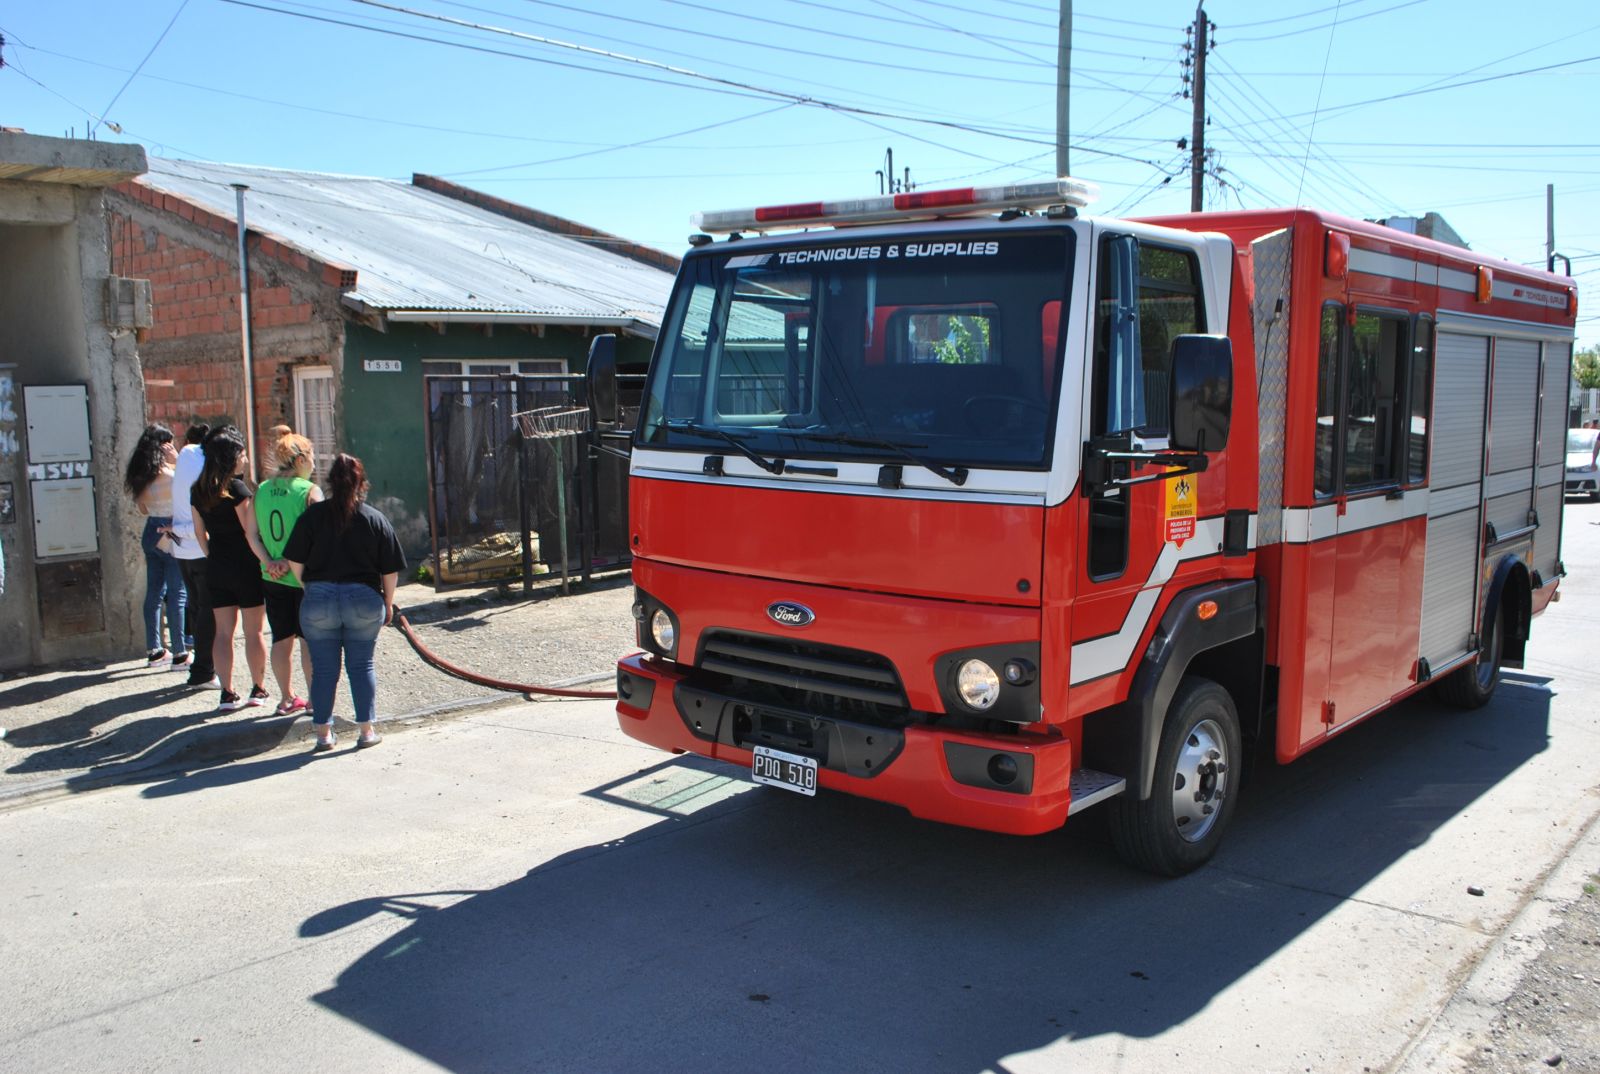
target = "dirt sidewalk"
x: 87, y: 722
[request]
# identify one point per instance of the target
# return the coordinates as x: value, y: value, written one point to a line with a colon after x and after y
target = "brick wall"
x: 192, y: 353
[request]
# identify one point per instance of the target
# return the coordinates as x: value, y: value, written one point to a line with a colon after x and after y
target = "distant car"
x: 1582, y: 473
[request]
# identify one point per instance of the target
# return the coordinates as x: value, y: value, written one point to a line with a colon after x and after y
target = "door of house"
x: 313, y: 413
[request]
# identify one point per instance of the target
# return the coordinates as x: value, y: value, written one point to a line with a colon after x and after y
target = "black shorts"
x: 234, y: 585
x: 283, y: 610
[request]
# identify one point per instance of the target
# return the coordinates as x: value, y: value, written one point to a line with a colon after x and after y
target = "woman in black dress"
x: 224, y: 523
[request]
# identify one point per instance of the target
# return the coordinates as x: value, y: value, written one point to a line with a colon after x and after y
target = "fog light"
x: 1003, y: 769
x: 977, y: 684
x: 1018, y: 672
x: 624, y: 686
x: 661, y: 630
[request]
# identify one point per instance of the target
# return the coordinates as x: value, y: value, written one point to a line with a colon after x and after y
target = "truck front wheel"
x: 1179, y: 827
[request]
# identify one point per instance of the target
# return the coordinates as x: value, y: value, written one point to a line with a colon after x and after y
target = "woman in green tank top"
x: 279, y: 503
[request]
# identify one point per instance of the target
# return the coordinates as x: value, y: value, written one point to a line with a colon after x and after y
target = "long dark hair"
x: 222, y: 447
x: 145, y: 466
x: 347, y: 484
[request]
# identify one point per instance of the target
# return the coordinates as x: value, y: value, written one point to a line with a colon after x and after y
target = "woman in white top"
x: 149, y: 482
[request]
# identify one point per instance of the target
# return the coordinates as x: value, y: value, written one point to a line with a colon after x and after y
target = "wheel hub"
x: 1201, y: 781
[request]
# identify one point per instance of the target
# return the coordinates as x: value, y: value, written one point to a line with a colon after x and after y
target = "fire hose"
x: 436, y: 661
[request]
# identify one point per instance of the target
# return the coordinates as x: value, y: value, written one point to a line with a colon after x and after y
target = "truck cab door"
x: 1147, y: 294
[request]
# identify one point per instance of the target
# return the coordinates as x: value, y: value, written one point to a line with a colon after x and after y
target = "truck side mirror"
x: 601, y: 380
x: 1202, y: 393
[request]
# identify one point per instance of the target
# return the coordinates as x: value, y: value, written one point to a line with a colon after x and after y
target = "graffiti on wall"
x: 9, y: 442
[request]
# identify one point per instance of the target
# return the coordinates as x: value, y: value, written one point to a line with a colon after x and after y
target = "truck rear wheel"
x: 1179, y: 827
x: 1472, y: 685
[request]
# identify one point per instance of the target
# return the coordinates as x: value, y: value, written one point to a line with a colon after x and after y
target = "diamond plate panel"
x: 1270, y: 259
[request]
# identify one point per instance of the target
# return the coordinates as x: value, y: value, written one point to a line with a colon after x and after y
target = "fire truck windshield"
x: 943, y: 350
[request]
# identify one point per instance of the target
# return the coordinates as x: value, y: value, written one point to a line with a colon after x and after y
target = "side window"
x: 965, y: 336
x: 1421, y: 396
x: 1328, y: 397
x: 1148, y: 296
x: 1380, y: 345
x: 1374, y: 396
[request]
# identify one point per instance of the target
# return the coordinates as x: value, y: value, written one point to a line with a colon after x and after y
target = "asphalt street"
x: 526, y: 889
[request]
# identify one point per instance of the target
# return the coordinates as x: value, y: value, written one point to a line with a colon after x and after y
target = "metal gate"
x: 495, y: 497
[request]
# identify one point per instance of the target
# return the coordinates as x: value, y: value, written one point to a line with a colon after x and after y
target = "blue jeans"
x: 163, y: 580
x: 344, y: 616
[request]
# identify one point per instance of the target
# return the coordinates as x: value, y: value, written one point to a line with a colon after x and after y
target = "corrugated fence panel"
x: 1270, y: 265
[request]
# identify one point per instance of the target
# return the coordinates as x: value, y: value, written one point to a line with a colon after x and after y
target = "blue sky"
x: 648, y: 110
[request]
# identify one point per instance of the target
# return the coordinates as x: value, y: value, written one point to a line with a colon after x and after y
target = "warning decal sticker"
x: 1180, y: 509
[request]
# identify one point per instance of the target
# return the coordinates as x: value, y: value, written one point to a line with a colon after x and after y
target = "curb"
x: 233, y: 740
x: 1446, y: 1044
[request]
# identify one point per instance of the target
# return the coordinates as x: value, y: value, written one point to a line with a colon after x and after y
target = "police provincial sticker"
x: 1180, y: 509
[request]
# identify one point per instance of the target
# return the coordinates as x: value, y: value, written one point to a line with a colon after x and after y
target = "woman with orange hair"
x: 280, y: 501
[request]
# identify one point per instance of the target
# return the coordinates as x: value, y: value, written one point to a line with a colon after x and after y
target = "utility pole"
x: 887, y: 183
x: 1550, y: 227
x: 1197, y: 139
x: 244, y: 336
x: 1063, y: 80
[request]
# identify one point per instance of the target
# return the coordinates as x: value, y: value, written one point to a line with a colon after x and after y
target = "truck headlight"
x: 977, y: 684
x: 662, y: 631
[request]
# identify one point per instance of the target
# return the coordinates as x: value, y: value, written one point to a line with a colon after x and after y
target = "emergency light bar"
x: 914, y: 205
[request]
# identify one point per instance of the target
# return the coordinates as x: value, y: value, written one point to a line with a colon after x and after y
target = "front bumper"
x: 935, y: 774
x: 1582, y: 483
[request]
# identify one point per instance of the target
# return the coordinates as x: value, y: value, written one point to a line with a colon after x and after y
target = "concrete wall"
x: 53, y: 330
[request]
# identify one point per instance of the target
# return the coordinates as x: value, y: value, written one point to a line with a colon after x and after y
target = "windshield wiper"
x: 956, y: 475
x: 771, y: 466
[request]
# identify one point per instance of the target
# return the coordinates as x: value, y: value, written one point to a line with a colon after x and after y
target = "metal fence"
x: 497, y: 500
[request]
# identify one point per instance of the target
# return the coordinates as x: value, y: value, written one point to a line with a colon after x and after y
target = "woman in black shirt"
x: 225, y: 524
x: 346, y: 555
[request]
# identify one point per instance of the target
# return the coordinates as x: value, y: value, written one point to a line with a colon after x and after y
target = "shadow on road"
x: 782, y: 933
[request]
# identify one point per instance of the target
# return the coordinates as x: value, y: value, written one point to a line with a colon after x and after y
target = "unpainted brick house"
x: 358, y: 288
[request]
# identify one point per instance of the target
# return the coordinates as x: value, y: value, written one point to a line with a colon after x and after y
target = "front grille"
x: 817, y: 678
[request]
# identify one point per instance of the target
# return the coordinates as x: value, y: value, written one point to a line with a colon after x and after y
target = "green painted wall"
x: 382, y: 413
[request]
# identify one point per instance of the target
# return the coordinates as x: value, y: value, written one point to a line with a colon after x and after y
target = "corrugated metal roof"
x: 414, y: 249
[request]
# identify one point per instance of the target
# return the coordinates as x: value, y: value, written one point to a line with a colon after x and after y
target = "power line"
x: 1327, y: 25
x: 629, y: 145
x: 730, y: 87
x: 1350, y: 105
x: 1291, y: 18
x: 118, y: 95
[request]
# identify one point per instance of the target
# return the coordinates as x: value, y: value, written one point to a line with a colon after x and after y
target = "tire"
x: 1179, y: 827
x: 1472, y: 685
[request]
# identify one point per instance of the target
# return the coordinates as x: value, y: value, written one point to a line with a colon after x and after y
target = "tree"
x: 1586, y: 367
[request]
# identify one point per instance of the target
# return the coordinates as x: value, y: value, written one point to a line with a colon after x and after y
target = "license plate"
x: 790, y: 771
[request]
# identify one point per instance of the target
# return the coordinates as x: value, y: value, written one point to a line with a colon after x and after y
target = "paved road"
x: 528, y: 890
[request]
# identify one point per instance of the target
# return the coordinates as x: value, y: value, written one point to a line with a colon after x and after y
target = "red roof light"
x: 798, y: 211
x: 936, y: 199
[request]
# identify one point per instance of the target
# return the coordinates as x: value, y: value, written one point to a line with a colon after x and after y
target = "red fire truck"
x: 967, y: 502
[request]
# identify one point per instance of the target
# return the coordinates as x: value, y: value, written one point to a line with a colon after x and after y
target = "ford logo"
x: 787, y: 613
